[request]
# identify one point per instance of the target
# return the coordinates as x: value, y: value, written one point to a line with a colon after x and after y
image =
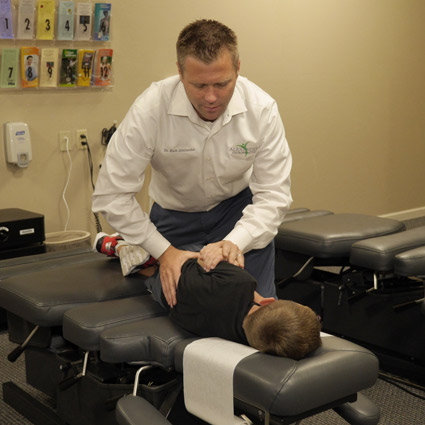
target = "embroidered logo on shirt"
x: 242, y: 149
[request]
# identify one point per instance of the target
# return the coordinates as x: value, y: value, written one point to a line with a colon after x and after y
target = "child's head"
x: 283, y: 328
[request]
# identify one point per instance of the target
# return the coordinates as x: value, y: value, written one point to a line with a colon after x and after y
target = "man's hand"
x: 214, y: 253
x: 171, y: 262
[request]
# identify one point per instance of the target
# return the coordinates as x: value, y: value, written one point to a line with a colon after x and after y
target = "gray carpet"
x: 13, y: 372
x: 397, y: 406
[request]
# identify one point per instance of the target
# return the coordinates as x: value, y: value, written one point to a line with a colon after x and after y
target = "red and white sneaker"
x: 106, y: 244
x: 134, y: 258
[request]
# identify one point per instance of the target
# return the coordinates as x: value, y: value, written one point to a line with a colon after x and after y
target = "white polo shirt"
x: 196, y: 164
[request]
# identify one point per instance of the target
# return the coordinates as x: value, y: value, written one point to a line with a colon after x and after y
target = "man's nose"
x: 210, y: 95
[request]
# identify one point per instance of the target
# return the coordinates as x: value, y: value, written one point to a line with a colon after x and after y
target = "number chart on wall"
x: 55, y: 44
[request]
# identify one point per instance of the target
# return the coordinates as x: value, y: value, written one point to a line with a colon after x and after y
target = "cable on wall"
x: 66, y: 185
x: 85, y: 142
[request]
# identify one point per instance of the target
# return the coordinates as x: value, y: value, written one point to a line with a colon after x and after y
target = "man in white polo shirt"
x: 220, y: 164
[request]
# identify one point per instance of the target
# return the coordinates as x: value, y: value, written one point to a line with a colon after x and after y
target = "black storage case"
x: 21, y: 233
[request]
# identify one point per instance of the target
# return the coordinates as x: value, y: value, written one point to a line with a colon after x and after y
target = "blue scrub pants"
x: 202, y: 228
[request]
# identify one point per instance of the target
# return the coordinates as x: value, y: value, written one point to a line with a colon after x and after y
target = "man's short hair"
x: 283, y: 328
x: 204, y: 40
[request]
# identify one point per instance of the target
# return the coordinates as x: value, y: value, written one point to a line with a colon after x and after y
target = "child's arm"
x: 148, y: 271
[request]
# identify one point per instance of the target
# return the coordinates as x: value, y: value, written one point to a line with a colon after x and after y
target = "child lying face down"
x: 223, y: 303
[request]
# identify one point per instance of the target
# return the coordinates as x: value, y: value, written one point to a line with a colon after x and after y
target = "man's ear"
x: 180, y: 71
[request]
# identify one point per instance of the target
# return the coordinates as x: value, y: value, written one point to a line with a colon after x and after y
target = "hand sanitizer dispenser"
x: 17, y: 143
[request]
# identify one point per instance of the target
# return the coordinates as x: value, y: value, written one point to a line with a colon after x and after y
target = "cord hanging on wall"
x: 68, y: 216
x: 85, y: 142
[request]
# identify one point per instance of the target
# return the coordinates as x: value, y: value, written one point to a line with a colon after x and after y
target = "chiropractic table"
x: 365, y: 275
x: 98, y: 345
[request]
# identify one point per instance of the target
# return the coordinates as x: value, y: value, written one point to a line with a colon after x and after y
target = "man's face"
x: 209, y: 87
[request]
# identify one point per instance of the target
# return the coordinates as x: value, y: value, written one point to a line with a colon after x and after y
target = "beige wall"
x: 348, y: 75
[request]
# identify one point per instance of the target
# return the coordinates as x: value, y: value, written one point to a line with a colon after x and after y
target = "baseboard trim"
x: 407, y: 214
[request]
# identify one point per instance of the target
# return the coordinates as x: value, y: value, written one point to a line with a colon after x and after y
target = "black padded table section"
x: 150, y: 341
x: 302, y: 215
x: 297, y: 210
x: 379, y: 253
x: 286, y: 387
x: 43, y: 294
x: 19, y: 265
x: 48, y: 260
x: 83, y: 325
x: 410, y: 263
x: 281, y: 386
x: 331, y: 235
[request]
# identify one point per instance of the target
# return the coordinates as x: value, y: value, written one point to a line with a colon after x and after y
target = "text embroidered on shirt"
x: 179, y: 150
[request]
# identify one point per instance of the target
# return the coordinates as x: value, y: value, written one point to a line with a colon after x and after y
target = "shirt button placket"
x: 208, y: 171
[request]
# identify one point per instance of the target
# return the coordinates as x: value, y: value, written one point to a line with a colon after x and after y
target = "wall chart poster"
x: 6, y: 25
x: 9, y: 70
x: 68, y: 72
x: 103, y: 67
x: 85, y: 67
x: 29, y: 67
x: 102, y: 21
x: 46, y: 19
x: 49, y: 67
x: 26, y: 23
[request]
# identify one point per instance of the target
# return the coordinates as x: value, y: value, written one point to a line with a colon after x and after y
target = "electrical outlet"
x: 64, y: 140
x: 81, y: 138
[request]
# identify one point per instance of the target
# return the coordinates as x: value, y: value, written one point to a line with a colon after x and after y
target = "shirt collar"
x: 180, y: 105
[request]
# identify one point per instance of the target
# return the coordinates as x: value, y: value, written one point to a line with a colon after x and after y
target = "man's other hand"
x: 214, y: 253
x: 171, y: 262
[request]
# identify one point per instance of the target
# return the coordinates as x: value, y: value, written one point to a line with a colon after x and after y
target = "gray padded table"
x: 283, y: 387
x: 36, y: 294
x: 332, y: 235
x: 379, y: 253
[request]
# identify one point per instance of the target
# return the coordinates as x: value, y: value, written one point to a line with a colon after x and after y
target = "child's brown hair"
x: 283, y: 328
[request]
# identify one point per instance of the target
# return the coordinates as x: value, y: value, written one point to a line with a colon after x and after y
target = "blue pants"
x: 202, y: 228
